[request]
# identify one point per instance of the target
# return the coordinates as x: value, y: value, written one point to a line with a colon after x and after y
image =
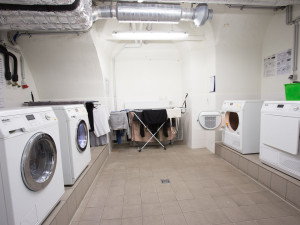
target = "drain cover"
x: 165, y: 181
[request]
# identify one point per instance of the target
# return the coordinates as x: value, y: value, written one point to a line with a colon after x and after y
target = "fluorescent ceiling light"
x: 150, y: 35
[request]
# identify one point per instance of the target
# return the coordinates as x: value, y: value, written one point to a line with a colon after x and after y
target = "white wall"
x: 278, y: 38
x: 16, y: 96
x: 239, y: 38
x: 64, y: 66
x: 151, y: 72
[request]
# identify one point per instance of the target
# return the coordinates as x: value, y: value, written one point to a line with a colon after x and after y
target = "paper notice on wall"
x: 2, y: 83
x: 270, y: 66
x: 284, y: 62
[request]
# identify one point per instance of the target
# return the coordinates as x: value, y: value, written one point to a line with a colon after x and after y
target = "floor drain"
x: 165, y: 181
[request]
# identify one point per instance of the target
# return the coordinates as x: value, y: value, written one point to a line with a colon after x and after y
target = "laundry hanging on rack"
x: 154, y: 118
x: 135, y: 130
x: 174, y: 114
x: 101, y: 117
x: 119, y: 121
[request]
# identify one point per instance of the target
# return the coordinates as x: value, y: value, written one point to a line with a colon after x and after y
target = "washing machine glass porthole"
x: 82, y: 136
x: 234, y: 120
x: 38, y: 161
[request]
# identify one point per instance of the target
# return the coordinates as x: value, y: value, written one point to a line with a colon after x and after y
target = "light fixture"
x: 138, y: 35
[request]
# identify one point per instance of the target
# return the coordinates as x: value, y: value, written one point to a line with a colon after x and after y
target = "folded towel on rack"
x: 174, y: 113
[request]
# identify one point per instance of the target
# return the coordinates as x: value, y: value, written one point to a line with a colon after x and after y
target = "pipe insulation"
x: 153, y: 13
x: 74, y: 17
x: 38, y: 2
x: 230, y: 2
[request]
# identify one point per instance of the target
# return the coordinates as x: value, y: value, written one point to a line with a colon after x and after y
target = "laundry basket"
x: 292, y: 92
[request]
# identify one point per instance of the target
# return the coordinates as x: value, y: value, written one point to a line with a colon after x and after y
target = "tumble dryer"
x: 75, y: 148
x: 242, y: 125
x: 31, y: 180
x: 239, y: 122
x: 280, y: 129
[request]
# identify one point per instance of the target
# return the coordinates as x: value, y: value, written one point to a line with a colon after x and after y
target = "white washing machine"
x: 242, y: 125
x: 74, y: 133
x: 31, y: 180
x: 279, y: 142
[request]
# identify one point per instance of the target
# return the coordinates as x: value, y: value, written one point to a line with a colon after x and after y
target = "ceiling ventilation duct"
x: 40, y: 17
x: 153, y: 13
x: 38, y: 2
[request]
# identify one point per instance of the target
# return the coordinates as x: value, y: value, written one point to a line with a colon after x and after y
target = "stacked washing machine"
x: 31, y: 177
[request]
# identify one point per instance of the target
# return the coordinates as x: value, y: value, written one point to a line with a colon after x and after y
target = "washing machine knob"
x: 47, y: 117
x: 296, y: 108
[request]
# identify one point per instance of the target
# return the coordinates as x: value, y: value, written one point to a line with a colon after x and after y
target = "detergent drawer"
x: 280, y: 132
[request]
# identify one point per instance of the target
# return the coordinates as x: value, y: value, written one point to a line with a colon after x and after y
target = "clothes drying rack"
x: 152, y: 135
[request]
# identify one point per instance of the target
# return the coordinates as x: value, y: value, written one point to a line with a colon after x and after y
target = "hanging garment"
x: 174, y: 113
x: 154, y: 119
x: 119, y: 121
x: 101, y: 117
x: 97, y: 141
x: 89, y: 108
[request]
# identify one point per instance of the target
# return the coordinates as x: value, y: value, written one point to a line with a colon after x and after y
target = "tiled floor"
x: 203, y: 189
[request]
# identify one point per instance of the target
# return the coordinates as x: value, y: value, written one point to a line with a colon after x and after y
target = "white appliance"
x: 75, y: 147
x: 242, y: 125
x: 279, y: 142
x: 31, y: 180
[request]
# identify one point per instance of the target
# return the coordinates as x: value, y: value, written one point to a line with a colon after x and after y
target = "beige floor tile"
x: 253, y: 222
x: 188, y: 205
x: 175, y: 219
x: 153, y: 220
x: 250, y: 188
x: 130, y: 211
x: 289, y: 220
x: 132, y: 221
x: 111, y: 222
x: 114, y: 200
x: 166, y: 197
x: 225, y: 202
x: 151, y: 209
x: 216, y: 217
x: 194, y: 218
x: 112, y: 212
x: 88, y: 223
x: 91, y: 214
x: 171, y: 207
x: 236, y: 214
x: 149, y: 198
x: 242, y: 199
x: 134, y: 199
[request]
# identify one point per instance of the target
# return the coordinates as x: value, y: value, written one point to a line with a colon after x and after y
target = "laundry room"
x: 150, y: 112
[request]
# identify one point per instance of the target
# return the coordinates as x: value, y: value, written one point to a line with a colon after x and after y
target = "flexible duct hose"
x: 14, y: 76
x: 4, y: 51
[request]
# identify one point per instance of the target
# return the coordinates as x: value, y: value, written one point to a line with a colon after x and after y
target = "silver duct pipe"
x: 230, y: 2
x: 153, y: 13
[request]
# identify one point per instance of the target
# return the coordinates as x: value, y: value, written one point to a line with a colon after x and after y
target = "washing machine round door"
x: 232, y: 120
x: 81, y: 136
x: 38, y: 161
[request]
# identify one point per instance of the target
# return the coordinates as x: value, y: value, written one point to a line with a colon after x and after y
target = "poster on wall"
x: 284, y: 62
x: 2, y: 83
x: 270, y: 66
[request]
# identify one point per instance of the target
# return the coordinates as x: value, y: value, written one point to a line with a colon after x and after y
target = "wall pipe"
x: 295, y: 22
x: 23, y: 83
x: 4, y: 51
x: 14, y: 76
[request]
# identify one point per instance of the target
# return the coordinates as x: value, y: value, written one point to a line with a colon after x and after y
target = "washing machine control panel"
x: 292, y: 108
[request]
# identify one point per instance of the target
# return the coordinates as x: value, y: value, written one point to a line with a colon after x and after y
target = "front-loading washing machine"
x: 242, y: 125
x: 75, y: 147
x: 31, y: 180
